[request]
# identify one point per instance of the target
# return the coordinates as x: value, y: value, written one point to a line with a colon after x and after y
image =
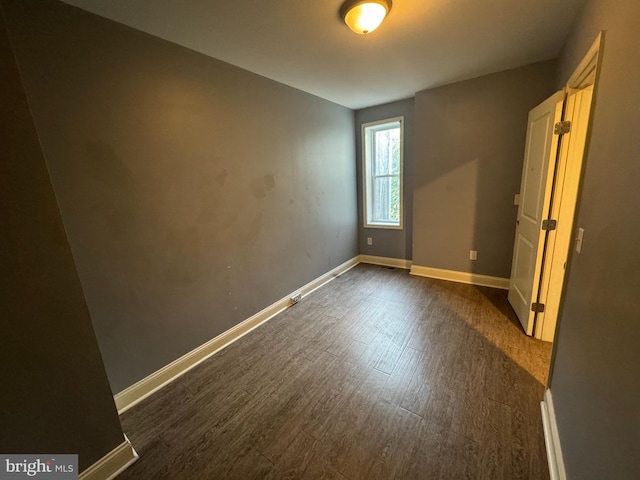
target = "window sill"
x: 383, y: 226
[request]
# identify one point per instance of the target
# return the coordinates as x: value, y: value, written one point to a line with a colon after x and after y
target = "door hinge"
x: 537, y: 307
x: 549, y: 224
x: 560, y: 128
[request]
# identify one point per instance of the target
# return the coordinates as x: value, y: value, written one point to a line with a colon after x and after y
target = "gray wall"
x: 194, y: 193
x: 55, y: 396
x: 468, y: 154
x: 595, y: 381
x: 388, y: 242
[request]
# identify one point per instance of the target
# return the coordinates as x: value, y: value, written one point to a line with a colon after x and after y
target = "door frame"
x: 566, y: 188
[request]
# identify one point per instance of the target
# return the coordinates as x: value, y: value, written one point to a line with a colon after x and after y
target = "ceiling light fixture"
x: 364, y: 16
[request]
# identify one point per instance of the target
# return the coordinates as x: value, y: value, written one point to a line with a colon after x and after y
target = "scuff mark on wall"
x: 262, y: 185
x: 221, y: 178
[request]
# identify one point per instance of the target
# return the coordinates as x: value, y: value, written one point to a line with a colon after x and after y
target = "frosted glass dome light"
x: 364, y: 16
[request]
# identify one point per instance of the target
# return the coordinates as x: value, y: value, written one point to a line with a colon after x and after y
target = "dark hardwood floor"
x: 378, y: 374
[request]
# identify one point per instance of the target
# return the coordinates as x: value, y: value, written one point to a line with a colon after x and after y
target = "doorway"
x: 549, y: 192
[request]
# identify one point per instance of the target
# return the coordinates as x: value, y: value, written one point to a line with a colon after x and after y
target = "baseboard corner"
x: 386, y: 261
x: 112, y: 464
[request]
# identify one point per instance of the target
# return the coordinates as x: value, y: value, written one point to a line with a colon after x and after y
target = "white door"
x: 535, y: 196
x: 565, y: 196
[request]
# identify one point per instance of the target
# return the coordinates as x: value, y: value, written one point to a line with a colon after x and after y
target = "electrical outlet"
x: 369, y: 241
x: 296, y: 298
x: 473, y: 255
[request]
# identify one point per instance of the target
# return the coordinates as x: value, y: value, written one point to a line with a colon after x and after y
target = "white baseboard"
x: 154, y: 382
x: 461, y: 277
x: 386, y: 261
x: 551, y: 438
x: 112, y: 464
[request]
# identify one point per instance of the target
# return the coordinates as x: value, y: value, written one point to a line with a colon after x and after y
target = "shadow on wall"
x: 457, y: 188
x: 470, y: 139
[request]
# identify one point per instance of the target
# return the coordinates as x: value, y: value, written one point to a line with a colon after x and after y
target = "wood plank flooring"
x: 377, y: 375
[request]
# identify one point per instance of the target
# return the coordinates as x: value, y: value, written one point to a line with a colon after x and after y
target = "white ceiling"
x: 304, y: 44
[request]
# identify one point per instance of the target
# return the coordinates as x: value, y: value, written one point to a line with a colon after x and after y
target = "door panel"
x: 524, y: 258
x: 535, y: 196
x: 540, y: 130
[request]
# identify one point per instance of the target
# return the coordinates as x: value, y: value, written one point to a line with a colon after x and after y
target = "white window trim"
x: 367, y: 178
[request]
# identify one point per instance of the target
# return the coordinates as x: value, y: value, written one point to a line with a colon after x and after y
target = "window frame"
x: 367, y: 177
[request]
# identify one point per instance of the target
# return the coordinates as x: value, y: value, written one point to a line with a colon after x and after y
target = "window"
x: 382, y: 173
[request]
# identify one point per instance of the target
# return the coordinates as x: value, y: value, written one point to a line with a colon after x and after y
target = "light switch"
x: 516, y: 199
x: 579, y: 240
